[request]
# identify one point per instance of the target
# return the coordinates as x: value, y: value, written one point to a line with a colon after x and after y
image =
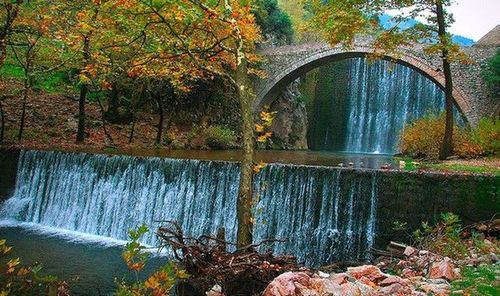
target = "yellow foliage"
x: 258, y: 167
x: 424, y: 137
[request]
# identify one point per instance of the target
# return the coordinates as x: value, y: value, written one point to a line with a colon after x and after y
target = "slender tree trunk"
x: 245, y: 194
x: 2, y: 123
x: 80, y: 134
x: 23, y: 110
x: 11, y: 13
x: 447, y: 146
x: 108, y: 136
x: 161, y: 113
x: 114, y: 102
x: 3, y: 51
x: 132, y: 130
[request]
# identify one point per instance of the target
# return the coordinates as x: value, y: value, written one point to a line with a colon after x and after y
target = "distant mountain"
x: 463, y: 41
x: 386, y: 22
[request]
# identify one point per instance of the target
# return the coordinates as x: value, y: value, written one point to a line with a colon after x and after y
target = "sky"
x: 474, y: 18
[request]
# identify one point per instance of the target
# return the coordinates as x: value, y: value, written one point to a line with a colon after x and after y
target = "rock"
x: 393, y: 289
x: 408, y: 273
x: 371, y: 272
x: 287, y: 284
x: 289, y: 126
x: 443, y: 269
x: 390, y: 280
x: 323, y: 274
x: 338, y: 278
x: 364, y: 280
x: 438, y: 288
x: 215, y: 291
x: 410, y: 251
x: 350, y: 289
x: 327, y: 287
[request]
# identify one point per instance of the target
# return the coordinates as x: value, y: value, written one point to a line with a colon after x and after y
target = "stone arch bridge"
x: 285, y: 64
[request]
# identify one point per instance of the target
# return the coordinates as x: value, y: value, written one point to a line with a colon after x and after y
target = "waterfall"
x: 367, y: 104
x: 326, y: 214
x: 107, y: 196
x: 382, y: 98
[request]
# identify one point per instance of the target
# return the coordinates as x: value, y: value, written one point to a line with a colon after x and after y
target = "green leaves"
x: 160, y: 282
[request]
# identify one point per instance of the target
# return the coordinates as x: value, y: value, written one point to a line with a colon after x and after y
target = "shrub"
x: 424, y: 137
x: 443, y: 238
x: 219, y: 137
x: 465, y: 146
x: 160, y: 283
x: 487, y: 135
x: 447, y: 238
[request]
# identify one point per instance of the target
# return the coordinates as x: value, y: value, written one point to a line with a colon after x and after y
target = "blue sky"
x: 475, y: 18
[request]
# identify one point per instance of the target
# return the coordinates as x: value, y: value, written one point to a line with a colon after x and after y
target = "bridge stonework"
x: 285, y: 64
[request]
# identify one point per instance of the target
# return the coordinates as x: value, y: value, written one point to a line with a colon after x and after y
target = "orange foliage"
x: 424, y: 137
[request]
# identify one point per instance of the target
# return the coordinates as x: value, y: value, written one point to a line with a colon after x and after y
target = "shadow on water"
x: 88, y: 268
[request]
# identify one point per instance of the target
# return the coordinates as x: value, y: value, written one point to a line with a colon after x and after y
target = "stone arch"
x: 276, y: 82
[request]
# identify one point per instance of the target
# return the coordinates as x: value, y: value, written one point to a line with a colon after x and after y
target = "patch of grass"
x: 451, y: 167
x: 54, y: 82
x: 481, y: 280
x: 11, y: 71
x: 463, y: 168
x: 409, y: 163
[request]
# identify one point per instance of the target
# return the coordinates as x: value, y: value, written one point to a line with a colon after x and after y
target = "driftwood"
x: 383, y: 253
x: 241, y: 272
x: 488, y: 228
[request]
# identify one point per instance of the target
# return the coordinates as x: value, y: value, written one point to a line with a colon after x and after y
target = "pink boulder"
x: 444, y: 269
x: 288, y: 284
x: 371, y: 272
x: 390, y: 280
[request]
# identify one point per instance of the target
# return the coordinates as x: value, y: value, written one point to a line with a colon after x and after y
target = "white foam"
x: 64, y: 234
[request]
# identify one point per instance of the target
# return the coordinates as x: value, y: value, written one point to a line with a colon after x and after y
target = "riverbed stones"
x: 363, y: 280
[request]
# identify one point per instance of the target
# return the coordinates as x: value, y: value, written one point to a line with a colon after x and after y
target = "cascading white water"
x: 327, y: 214
x: 382, y: 98
x: 107, y: 196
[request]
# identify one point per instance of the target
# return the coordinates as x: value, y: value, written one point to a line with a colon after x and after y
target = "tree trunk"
x: 245, y: 192
x: 114, y: 102
x: 132, y: 130
x: 23, y: 110
x: 447, y: 146
x: 11, y: 11
x: 3, y: 51
x: 103, y: 119
x: 2, y: 123
x: 161, y: 113
x: 80, y: 134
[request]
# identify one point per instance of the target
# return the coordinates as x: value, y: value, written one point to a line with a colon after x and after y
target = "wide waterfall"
x: 326, y: 214
x: 364, y: 105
